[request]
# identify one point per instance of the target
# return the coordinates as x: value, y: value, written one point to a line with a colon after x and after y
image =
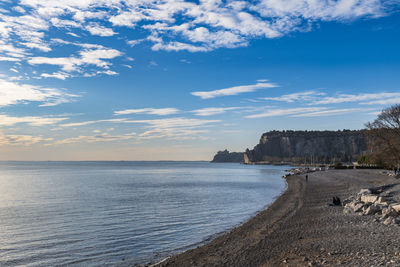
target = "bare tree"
x: 384, y: 137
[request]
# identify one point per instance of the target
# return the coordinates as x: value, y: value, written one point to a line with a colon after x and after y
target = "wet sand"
x: 301, y: 229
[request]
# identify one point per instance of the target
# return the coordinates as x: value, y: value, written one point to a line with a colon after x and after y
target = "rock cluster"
x: 374, y: 201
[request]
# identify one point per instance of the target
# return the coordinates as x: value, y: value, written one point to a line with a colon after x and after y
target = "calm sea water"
x: 123, y: 213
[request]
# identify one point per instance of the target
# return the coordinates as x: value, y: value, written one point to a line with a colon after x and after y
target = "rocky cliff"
x: 308, y: 147
x: 226, y: 156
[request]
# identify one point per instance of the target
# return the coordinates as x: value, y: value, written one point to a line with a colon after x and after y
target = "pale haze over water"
x: 94, y: 213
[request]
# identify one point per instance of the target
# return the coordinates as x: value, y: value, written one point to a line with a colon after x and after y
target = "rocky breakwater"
x: 379, y: 203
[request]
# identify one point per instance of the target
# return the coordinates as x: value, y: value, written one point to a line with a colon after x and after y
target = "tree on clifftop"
x: 384, y: 137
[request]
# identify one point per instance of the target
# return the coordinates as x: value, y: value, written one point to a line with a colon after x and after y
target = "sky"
x: 180, y: 80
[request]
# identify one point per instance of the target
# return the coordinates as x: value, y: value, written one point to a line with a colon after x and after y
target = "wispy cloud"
x: 321, y: 98
x: 13, y: 93
x: 295, y: 97
x: 233, y: 90
x: 96, y: 29
x: 332, y: 112
x: 94, y: 57
x: 212, y: 111
x: 104, y: 137
x: 175, y: 128
x: 284, y: 112
x: 151, y: 111
x: 170, y: 128
x: 83, y: 123
x: 308, y: 112
x: 6, y: 120
x: 18, y: 140
x: 364, y: 98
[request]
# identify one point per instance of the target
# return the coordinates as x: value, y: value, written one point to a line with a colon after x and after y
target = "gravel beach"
x: 301, y: 229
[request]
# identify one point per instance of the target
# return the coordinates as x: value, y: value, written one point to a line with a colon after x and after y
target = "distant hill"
x: 226, y: 156
x: 308, y: 147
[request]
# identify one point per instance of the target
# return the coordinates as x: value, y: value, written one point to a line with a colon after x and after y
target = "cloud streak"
x: 233, y: 90
x: 212, y: 111
x: 150, y: 111
x: 12, y: 93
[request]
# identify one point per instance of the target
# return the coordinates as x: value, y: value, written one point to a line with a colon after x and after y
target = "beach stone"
x: 372, y: 210
x: 347, y: 210
x: 382, y: 200
x: 389, y: 211
x: 369, y: 198
x: 389, y: 220
x: 358, y: 207
x: 396, y: 207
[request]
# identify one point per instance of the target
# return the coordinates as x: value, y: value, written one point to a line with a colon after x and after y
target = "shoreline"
x: 300, y: 229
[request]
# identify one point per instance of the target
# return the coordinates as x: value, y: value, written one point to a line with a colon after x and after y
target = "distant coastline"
x: 301, y: 148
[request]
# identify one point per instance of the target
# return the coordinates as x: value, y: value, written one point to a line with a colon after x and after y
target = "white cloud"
x: 212, y: 111
x: 27, y: 31
x: 133, y: 43
x: 6, y: 120
x: 9, y: 59
x: 87, y: 57
x: 96, y: 29
x: 178, y: 46
x: 13, y: 93
x: 234, y: 90
x: 57, y: 75
x: 151, y: 111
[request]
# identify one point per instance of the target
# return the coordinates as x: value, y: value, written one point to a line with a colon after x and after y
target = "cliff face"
x: 226, y: 156
x: 308, y: 147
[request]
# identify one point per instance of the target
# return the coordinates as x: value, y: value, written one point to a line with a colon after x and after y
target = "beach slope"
x: 301, y: 229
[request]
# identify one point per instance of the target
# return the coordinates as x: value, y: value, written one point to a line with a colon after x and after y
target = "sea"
x: 123, y: 213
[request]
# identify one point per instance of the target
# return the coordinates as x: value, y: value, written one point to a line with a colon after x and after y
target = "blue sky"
x: 158, y: 80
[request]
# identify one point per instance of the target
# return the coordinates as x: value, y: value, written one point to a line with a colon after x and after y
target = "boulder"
x: 372, y: 210
x: 389, y: 212
x: 396, y: 207
x: 382, y: 200
x: 358, y: 207
x: 389, y: 220
x: 369, y: 198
